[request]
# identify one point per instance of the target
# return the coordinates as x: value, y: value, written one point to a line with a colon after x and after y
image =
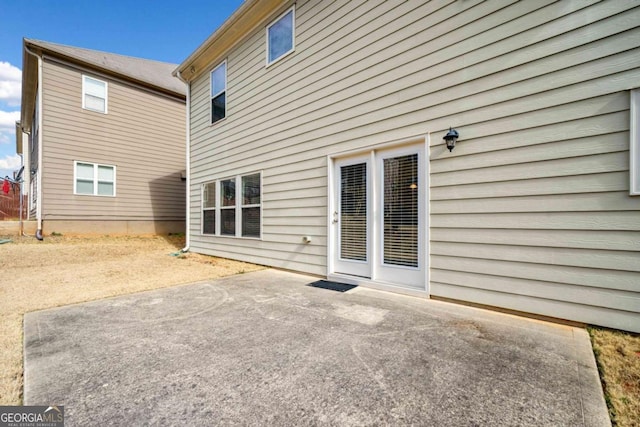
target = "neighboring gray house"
x: 105, y: 151
x: 316, y: 145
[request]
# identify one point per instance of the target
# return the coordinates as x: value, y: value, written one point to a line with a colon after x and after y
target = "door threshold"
x: 374, y: 284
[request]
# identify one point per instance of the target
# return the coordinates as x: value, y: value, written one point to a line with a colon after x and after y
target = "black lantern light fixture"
x: 451, y: 137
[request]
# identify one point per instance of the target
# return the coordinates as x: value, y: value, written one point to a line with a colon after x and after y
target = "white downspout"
x: 187, y: 218
x: 39, y: 174
x: 21, y: 185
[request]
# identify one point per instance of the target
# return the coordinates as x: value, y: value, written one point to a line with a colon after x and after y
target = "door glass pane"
x: 353, y: 212
x: 401, y: 211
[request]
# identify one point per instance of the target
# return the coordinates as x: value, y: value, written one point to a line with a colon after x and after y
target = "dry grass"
x: 60, y: 270
x: 618, y: 356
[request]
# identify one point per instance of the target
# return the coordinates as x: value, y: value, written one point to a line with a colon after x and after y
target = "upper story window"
x: 634, y: 144
x: 94, y: 94
x: 94, y: 180
x: 219, y: 92
x: 280, y: 36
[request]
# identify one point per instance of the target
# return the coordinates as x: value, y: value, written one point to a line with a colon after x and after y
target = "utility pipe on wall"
x: 39, y: 173
x: 21, y: 229
x: 187, y: 218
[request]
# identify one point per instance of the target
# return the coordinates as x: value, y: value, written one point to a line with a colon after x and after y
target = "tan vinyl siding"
x: 530, y: 211
x: 142, y: 136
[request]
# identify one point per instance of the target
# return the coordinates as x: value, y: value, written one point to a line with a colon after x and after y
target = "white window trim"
x: 211, y: 95
x: 95, y: 179
x: 293, y: 38
x: 634, y: 144
x: 106, y: 94
x: 238, y: 207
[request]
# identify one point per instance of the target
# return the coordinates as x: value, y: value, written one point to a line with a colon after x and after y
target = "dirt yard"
x: 60, y: 270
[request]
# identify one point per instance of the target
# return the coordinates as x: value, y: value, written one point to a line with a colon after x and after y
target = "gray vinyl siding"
x: 142, y: 135
x: 530, y: 212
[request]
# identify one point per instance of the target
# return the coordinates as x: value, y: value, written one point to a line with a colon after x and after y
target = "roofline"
x: 247, y: 17
x: 34, y: 45
x: 29, y: 87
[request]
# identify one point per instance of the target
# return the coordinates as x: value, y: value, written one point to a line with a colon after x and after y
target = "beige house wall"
x: 114, y: 227
x: 530, y: 212
x: 142, y: 135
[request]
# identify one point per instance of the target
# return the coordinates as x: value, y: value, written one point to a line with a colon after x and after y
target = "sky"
x: 160, y: 29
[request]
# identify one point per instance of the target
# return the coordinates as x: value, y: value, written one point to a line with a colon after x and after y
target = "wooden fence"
x: 10, y: 204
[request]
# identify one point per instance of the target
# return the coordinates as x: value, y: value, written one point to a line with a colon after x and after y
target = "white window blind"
x: 93, y: 179
x: 401, y: 211
x: 353, y: 212
x: 94, y: 95
x: 84, y: 178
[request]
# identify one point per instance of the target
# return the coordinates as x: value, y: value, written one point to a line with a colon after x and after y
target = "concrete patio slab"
x: 265, y: 348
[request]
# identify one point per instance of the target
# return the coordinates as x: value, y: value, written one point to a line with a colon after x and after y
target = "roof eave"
x: 19, y: 148
x: 246, y: 18
x: 42, y: 50
x: 29, y: 86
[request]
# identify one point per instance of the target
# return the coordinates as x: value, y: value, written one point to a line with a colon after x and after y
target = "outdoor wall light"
x: 451, y: 137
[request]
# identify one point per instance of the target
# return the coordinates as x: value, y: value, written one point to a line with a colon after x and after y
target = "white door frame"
x: 346, y: 266
x: 422, y: 144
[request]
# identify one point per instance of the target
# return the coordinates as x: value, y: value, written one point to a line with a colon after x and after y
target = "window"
x: 634, y: 144
x: 251, y: 205
x: 280, y: 36
x: 94, y: 180
x: 219, y: 92
x: 228, y: 207
x: 94, y: 94
x: 209, y: 208
x: 231, y: 206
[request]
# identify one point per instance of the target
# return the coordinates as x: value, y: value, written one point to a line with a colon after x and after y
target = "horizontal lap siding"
x: 142, y: 135
x: 531, y: 210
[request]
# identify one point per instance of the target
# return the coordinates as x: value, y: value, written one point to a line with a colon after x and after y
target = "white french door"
x: 379, y: 217
x: 351, y: 218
